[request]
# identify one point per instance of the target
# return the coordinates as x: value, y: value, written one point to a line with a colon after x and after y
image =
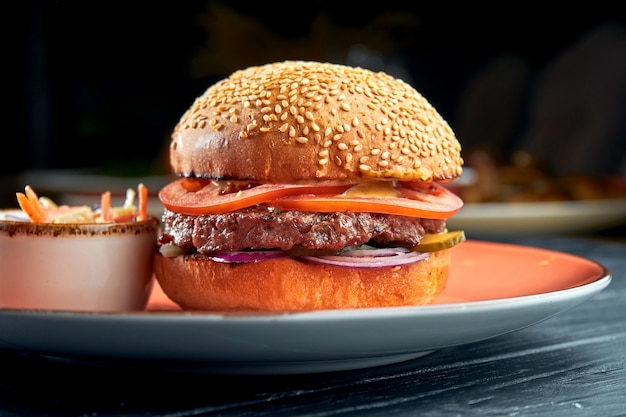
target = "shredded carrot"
x: 105, y: 206
x: 142, y: 190
x: 44, y: 210
x: 34, y: 200
x: 27, y: 206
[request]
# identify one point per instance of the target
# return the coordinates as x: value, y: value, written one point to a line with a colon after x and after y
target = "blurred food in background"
x: 525, y: 179
x: 570, y: 141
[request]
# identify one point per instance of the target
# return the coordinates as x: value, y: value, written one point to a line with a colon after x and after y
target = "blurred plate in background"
x: 531, y: 218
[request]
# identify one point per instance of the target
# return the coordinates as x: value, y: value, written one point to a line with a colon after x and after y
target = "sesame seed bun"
x: 296, y: 120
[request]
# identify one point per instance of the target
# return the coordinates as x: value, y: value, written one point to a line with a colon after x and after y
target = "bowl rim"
x: 9, y: 227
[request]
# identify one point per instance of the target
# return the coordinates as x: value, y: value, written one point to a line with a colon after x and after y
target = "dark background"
x: 101, y: 84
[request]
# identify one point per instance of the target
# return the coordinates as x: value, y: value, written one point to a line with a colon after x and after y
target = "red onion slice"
x: 376, y: 258
x: 354, y: 258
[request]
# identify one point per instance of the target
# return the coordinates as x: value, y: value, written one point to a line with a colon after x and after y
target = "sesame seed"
x: 302, y: 139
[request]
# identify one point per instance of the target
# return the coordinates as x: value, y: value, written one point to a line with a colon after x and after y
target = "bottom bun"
x: 195, y: 282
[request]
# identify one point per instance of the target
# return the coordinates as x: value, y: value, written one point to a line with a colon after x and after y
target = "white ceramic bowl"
x: 75, y: 267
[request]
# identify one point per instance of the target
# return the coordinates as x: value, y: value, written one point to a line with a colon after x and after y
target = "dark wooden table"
x: 572, y: 364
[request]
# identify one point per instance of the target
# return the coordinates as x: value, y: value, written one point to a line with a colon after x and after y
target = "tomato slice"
x: 413, y: 199
x: 198, y: 197
x: 431, y: 201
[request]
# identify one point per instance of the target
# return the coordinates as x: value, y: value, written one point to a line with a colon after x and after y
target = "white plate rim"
x: 539, y: 217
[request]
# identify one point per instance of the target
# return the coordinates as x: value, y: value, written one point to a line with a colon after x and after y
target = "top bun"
x: 296, y: 120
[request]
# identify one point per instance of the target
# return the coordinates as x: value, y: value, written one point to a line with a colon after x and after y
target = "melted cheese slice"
x: 372, y: 189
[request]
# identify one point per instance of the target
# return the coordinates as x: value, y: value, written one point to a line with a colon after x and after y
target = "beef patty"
x: 262, y: 227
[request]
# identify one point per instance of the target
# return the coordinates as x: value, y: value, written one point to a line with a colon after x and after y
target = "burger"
x: 307, y: 186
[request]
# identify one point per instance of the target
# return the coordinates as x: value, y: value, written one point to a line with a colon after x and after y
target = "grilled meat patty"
x: 262, y: 227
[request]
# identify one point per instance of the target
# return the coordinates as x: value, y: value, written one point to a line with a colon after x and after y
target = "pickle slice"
x: 435, y: 242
